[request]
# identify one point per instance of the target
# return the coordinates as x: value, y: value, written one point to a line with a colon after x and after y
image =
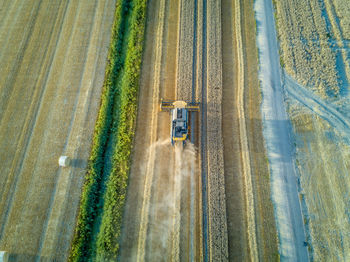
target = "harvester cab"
x: 179, y: 113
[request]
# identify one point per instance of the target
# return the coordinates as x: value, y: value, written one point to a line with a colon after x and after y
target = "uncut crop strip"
x: 185, y: 76
x: 217, y: 219
x: 109, y: 116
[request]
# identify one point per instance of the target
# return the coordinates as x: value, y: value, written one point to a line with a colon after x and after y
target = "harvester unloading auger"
x: 179, y: 129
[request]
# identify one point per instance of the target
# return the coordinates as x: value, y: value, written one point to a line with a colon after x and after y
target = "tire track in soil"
x: 5, y: 19
x: 8, y: 6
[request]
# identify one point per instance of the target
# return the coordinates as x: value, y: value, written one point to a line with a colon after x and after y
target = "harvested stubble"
x: 149, y: 172
x: 305, y: 47
x: 311, y: 38
x: 245, y: 155
x: 51, y: 79
x: 338, y: 30
x: 342, y: 10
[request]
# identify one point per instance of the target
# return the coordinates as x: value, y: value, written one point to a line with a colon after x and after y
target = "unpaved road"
x: 215, y: 204
x: 52, y: 62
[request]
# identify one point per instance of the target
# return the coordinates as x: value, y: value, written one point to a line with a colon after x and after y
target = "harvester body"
x: 179, y: 112
x: 179, y: 125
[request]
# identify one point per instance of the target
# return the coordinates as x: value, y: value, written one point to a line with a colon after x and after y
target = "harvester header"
x: 179, y: 129
x: 169, y: 105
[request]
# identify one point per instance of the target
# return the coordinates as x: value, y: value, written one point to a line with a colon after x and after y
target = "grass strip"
x: 91, y: 193
x: 108, y: 237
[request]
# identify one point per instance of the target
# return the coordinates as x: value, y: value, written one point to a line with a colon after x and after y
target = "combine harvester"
x: 180, y: 128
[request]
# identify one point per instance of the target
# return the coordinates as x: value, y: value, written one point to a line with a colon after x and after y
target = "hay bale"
x: 64, y: 161
x: 4, y: 256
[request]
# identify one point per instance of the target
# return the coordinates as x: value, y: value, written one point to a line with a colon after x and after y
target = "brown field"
x: 207, y: 201
x: 52, y: 62
x: 217, y: 205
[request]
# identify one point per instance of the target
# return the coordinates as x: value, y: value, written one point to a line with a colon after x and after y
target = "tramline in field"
x: 179, y: 130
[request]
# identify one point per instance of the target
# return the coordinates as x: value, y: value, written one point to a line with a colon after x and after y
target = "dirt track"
x: 202, y: 50
x: 52, y: 60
